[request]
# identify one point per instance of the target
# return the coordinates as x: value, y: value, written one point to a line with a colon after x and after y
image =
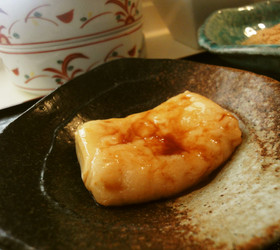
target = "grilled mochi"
x: 157, y: 153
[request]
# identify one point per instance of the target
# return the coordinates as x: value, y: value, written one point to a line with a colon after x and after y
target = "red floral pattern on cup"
x: 13, y: 32
x: 35, y: 14
x: 67, y: 72
x: 66, y: 17
x: 128, y: 10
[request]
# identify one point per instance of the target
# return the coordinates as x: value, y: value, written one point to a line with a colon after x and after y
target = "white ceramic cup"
x: 49, y: 21
x: 42, y: 55
x: 40, y: 71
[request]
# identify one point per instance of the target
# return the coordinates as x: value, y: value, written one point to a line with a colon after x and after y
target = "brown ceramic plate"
x: 44, y: 204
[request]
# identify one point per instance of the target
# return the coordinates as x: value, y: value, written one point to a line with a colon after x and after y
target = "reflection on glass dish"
x: 224, y: 31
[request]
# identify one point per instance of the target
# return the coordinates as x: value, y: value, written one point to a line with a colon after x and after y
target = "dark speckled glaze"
x: 44, y: 204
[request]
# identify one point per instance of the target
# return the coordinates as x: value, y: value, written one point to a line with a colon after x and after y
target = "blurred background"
x: 168, y: 28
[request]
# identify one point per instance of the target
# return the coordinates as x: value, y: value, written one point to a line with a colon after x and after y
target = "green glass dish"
x: 224, y: 31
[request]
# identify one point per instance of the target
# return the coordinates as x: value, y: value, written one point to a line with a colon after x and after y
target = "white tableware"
x: 48, y: 21
x: 41, y: 70
x: 45, y: 43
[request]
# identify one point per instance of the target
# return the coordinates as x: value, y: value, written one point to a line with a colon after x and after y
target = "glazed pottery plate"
x: 44, y: 204
x: 224, y: 31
